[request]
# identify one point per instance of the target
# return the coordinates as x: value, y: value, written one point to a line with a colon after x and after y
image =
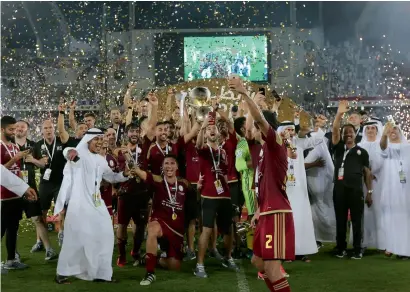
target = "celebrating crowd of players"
x: 182, y: 171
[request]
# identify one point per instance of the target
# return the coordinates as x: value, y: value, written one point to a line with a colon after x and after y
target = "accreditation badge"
x: 97, y: 200
x: 291, y: 182
x: 402, y: 176
x: 340, y: 173
x: 47, y: 174
x: 219, y: 187
x: 24, y: 176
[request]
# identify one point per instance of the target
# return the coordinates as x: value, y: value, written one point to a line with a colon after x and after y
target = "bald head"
x: 48, y: 130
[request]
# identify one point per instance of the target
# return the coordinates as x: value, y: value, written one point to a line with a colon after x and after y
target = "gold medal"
x: 174, y: 216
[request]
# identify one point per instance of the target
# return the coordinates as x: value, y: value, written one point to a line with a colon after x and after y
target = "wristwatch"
x: 370, y: 191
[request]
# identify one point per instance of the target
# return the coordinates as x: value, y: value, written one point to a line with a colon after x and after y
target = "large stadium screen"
x: 219, y: 56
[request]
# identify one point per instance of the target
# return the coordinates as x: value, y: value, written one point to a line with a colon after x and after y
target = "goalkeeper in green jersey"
x: 243, y: 165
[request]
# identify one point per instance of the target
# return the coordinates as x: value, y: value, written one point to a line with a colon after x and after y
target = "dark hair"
x: 238, y: 124
x: 234, y: 108
x: 23, y: 121
x: 7, y: 121
x: 170, y: 155
x: 134, y: 125
x: 90, y: 115
x: 170, y: 122
x: 355, y: 113
x: 271, y: 118
x: 161, y: 123
x: 363, y: 113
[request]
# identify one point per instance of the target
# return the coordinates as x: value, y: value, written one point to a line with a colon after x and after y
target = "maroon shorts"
x: 274, y: 237
x: 106, y: 195
x: 170, y: 242
x: 132, y: 206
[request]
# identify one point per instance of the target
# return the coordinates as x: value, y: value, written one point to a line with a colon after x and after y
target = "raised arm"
x: 343, y: 108
x: 385, y: 137
x: 200, y: 139
x: 168, y: 105
x: 71, y: 116
x: 153, y: 116
x: 60, y: 124
x: 193, y: 133
x: 236, y: 84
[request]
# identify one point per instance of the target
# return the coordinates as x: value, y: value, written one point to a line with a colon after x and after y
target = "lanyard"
x: 7, y: 148
x: 172, y: 199
x: 344, y: 156
x: 160, y: 149
x: 54, y: 148
x: 216, y: 165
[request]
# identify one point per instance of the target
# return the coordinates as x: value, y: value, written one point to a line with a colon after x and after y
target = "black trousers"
x: 345, y: 198
x: 11, y: 213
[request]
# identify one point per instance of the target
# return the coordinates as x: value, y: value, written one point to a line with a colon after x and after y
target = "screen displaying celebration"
x: 217, y: 57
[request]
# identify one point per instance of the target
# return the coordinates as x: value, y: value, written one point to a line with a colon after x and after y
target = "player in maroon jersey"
x: 216, y: 199
x: 229, y: 141
x: 11, y: 204
x: 133, y: 195
x: 167, y: 220
x: 107, y: 188
x: 274, y: 238
x: 163, y: 147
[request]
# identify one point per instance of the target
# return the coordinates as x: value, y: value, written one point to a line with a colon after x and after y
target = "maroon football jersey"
x: 163, y: 207
x: 7, y: 152
x: 272, y: 168
x: 192, y: 163
x: 255, y: 149
x: 156, y: 155
x: 207, y: 169
x: 106, y: 187
x: 140, y: 152
x: 230, y: 147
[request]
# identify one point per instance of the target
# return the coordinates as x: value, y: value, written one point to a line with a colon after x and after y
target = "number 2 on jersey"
x: 268, y: 241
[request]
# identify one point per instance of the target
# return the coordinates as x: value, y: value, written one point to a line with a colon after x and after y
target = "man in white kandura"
x: 373, y: 232
x: 395, y: 199
x: 88, y: 237
x: 319, y: 173
x: 296, y: 189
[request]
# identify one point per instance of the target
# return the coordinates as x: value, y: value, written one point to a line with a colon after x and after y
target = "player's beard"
x: 133, y: 140
x: 9, y: 137
x: 212, y: 139
x: 21, y: 135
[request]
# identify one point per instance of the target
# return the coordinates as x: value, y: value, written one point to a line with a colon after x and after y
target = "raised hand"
x: 73, y: 104
x: 235, y: 83
x: 153, y: 99
x: 343, y: 107
x: 387, y: 129
x: 61, y: 107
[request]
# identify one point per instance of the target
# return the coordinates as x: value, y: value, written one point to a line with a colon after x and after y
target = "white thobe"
x: 320, y: 185
x: 12, y: 182
x: 88, y: 236
x: 395, y: 199
x: 305, y: 242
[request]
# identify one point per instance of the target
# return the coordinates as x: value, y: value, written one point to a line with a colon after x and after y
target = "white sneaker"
x: 148, y: 279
